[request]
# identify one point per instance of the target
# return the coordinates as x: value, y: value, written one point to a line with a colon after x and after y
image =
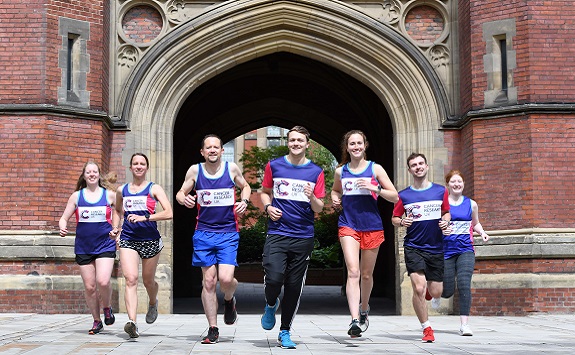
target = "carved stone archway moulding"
x: 400, y: 15
x: 160, y: 74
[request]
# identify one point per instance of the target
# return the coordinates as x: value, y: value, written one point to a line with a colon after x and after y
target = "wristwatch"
x: 147, y: 215
x: 246, y: 201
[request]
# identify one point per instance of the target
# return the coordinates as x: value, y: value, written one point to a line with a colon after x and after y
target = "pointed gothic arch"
x: 236, y: 32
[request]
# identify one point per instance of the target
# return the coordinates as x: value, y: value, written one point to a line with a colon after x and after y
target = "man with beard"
x: 216, y: 238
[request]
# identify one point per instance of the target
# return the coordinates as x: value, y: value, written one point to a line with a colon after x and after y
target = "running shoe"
x: 152, y: 314
x: 109, y: 317
x: 435, y: 303
x: 427, y: 295
x: 354, y: 330
x: 465, y: 330
x: 132, y: 329
x: 284, y: 340
x: 269, y: 316
x: 230, y: 313
x: 428, y: 336
x: 364, y: 319
x: 96, y: 327
x: 212, y: 337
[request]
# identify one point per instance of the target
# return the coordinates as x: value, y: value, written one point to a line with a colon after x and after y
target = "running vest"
x: 94, y: 222
x: 360, y: 211
x: 138, y: 203
x: 287, y: 182
x: 461, y: 238
x: 216, y: 198
x: 425, y: 207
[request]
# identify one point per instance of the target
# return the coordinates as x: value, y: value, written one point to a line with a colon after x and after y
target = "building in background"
x: 483, y: 86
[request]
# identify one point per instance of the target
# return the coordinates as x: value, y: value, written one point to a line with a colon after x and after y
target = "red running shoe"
x: 428, y: 336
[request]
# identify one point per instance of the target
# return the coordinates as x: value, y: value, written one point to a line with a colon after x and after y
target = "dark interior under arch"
x: 284, y: 90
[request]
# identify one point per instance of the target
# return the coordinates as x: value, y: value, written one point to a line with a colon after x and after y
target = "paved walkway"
x: 314, y: 331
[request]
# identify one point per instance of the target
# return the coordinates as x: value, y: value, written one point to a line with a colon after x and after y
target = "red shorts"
x: 367, y: 240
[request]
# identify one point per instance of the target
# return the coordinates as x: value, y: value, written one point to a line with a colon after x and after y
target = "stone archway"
x: 225, y: 36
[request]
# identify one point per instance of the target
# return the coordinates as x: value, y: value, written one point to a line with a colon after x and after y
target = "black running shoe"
x: 96, y: 327
x: 212, y: 337
x: 230, y: 313
x: 109, y: 317
x: 354, y: 329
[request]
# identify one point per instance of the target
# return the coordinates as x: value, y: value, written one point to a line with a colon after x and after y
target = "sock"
x: 425, y: 325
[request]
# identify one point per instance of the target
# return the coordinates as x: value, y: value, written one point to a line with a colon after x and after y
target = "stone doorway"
x: 160, y: 98
x: 282, y: 89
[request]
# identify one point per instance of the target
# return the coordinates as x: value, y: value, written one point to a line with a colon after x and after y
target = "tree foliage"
x: 254, y: 161
x: 327, y: 252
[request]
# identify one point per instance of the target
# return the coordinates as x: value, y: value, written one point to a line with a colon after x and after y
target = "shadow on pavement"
x: 315, y: 300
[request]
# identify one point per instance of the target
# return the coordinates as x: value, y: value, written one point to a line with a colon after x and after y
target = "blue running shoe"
x: 284, y: 340
x: 269, y: 316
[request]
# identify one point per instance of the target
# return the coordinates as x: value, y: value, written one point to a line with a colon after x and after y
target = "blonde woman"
x: 92, y: 203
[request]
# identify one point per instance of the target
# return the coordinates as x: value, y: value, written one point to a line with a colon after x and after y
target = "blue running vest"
x: 94, y: 222
x: 461, y: 238
x: 360, y: 211
x: 139, y: 203
x: 216, y: 198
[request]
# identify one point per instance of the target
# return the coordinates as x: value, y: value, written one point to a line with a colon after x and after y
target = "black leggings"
x: 285, y: 261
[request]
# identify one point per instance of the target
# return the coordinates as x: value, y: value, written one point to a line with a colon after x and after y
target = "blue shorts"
x: 211, y: 248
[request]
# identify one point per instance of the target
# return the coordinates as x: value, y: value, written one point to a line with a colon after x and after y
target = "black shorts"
x: 85, y: 259
x: 432, y: 265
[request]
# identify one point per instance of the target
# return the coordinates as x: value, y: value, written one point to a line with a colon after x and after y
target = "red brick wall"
x: 552, y: 141
x: 22, y: 72
x: 105, y: 55
x: 551, y: 47
x: 511, y: 266
x: 521, y: 301
x: 465, y: 79
x: 142, y: 24
x: 42, y: 158
x: 89, y: 11
x: 518, y: 174
x: 45, y: 301
x: 31, y: 43
x: 424, y: 24
x: 544, y: 47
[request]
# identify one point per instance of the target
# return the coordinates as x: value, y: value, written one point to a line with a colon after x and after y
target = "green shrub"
x: 327, y: 251
x: 326, y: 257
x: 252, y: 241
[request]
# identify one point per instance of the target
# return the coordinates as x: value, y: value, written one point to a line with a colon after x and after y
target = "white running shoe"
x: 465, y: 330
x: 435, y: 303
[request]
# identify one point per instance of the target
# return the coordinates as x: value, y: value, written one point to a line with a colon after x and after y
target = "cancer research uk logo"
x: 281, y: 187
x: 135, y: 204
x: 205, y: 198
x: 412, y: 211
x: 348, y: 186
x: 216, y: 197
x: 92, y: 213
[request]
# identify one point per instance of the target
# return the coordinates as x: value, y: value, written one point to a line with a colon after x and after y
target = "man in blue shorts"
x: 426, y: 209
x: 293, y: 189
x: 216, y: 238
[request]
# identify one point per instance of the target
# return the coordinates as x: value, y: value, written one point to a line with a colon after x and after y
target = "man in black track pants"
x: 293, y: 191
